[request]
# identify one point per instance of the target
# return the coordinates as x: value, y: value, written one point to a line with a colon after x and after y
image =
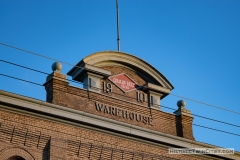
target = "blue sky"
x: 195, y: 44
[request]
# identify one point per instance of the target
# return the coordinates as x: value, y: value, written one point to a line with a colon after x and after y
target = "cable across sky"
x: 53, y: 59
x: 102, y: 89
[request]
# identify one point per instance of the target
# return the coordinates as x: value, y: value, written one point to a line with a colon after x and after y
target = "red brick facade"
x: 60, y: 93
x: 34, y: 138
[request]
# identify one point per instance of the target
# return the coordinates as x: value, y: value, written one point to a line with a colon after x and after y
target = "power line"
x: 21, y: 79
x: 36, y: 54
x: 216, y: 120
x: 206, y: 118
x: 120, y: 94
x: 216, y: 129
x: 204, y: 103
x: 193, y: 123
x: 34, y: 70
x: 23, y: 67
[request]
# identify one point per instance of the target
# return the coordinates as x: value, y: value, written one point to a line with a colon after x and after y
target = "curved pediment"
x: 120, y: 59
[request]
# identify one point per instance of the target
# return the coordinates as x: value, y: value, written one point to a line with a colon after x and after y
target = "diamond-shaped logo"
x: 124, y: 82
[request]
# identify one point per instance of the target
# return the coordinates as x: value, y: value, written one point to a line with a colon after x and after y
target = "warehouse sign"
x: 121, y: 113
x: 124, y: 82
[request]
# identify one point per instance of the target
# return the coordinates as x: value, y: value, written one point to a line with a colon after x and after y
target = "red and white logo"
x: 124, y: 82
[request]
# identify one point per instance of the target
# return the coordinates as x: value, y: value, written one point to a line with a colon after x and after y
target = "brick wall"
x: 60, y: 93
x: 42, y: 139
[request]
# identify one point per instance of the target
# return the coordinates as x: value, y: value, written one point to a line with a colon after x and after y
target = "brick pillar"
x: 56, y: 85
x: 184, y: 121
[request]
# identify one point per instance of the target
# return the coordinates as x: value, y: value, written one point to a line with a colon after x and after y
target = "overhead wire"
x: 121, y: 95
x: 21, y: 79
x: 23, y: 67
x: 216, y: 129
x: 192, y: 124
x: 36, y: 54
x: 204, y: 103
x: 112, y: 92
x: 34, y: 70
x: 40, y: 55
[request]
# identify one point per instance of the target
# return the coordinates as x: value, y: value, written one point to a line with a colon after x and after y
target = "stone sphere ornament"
x: 56, y: 67
x: 181, y: 103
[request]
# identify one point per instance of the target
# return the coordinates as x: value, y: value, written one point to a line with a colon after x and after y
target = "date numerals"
x: 140, y: 97
x: 107, y: 87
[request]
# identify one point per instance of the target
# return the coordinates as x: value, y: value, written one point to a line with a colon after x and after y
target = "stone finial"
x: 56, y: 67
x: 181, y: 109
x: 181, y: 104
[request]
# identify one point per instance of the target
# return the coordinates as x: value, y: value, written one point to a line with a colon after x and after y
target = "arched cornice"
x: 104, y: 58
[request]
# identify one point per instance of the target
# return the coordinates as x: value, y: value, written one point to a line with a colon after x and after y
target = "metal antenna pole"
x: 118, y: 27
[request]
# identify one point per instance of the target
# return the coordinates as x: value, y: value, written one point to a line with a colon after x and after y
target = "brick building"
x: 116, y: 115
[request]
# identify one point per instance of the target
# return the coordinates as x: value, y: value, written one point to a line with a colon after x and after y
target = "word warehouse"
x: 123, y: 113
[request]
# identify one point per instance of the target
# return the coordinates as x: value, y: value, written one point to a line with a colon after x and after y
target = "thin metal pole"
x: 118, y: 27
